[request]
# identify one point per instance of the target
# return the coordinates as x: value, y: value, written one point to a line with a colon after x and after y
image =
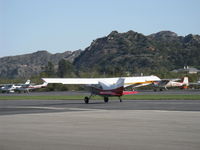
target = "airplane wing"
x: 138, y: 84
x: 72, y: 80
x: 164, y: 81
x: 177, y: 79
x: 128, y: 81
x: 167, y: 80
x: 194, y: 83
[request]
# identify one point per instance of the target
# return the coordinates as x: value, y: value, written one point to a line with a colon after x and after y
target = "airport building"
x: 187, y: 69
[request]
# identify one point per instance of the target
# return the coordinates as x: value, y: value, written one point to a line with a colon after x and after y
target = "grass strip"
x: 127, y: 97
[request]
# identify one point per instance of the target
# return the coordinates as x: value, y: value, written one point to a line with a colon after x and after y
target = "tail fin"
x: 28, y: 82
x: 185, y: 81
x: 44, y: 84
x: 119, y: 83
x: 106, y: 86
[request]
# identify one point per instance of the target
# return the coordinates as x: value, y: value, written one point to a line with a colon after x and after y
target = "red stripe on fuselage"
x: 113, y: 92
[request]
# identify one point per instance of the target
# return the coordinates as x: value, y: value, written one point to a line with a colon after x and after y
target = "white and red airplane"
x: 168, y: 83
x: 28, y: 87
x: 107, y: 87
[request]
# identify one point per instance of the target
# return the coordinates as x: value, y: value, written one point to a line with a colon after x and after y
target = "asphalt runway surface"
x: 85, y: 93
x: 73, y: 125
x: 12, y: 107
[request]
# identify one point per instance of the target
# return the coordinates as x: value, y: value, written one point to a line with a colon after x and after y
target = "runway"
x: 12, y: 107
x: 73, y: 125
x: 85, y: 93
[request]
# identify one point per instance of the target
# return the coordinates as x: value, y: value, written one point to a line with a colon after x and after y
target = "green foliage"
x: 49, y: 70
x: 65, y: 69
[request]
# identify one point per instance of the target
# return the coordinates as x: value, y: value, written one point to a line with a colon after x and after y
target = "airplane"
x: 195, y: 84
x: 107, y: 87
x: 198, y: 82
x: 27, y: 87
x: 10, y: 88
x: 168, y: 83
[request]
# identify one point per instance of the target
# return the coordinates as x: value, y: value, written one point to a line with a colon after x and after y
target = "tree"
x: 49, y: 70
x: 65, y: 69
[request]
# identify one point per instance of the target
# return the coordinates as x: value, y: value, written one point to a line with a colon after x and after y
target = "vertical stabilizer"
x: 185, y: 81
x: 106, y: 86
x: 119, y: 83
x: 44, y: 84
x: 28, y: 82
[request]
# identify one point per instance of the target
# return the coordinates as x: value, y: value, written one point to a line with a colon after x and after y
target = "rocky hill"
x: 135, y: 52
x: 116, y: 53
x: 31, y: 64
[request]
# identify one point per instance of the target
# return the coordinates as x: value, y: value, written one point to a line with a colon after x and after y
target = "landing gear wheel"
x: 86, y: 99
x: 120, y: 99
x: 106, y: 99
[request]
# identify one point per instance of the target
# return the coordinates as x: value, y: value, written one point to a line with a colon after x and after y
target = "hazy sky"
x: 59, y: 25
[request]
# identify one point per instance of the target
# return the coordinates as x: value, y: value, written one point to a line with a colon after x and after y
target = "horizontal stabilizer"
x: 129, y: 92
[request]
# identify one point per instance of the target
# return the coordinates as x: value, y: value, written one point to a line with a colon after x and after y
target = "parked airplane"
x: 195, y: 84
x: 168, y: 83
x: 107, y: 87
x: 28, y: 87
x: 10, y: 88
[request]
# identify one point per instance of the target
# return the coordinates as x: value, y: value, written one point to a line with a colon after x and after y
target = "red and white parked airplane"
x: 29, y: 87
x: 107, y: 87
x: 168, y: 83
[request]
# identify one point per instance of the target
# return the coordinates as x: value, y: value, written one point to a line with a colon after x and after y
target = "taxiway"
x: 71, y: 124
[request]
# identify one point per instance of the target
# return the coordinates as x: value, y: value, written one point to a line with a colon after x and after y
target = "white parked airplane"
x: 195, y: 84
x: 10, y: 88
x: 107, y: 87
x: 168, y: 83
x: 29, y: 87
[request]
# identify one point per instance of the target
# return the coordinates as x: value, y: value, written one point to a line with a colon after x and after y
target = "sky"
x: 27, y: 26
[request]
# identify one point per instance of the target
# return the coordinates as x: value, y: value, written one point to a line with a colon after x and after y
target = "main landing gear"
x: 87, y: 99
x: 106, y: 99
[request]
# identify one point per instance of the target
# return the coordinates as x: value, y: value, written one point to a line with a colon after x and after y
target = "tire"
x: 86, y: 100
x: 106, y: 99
